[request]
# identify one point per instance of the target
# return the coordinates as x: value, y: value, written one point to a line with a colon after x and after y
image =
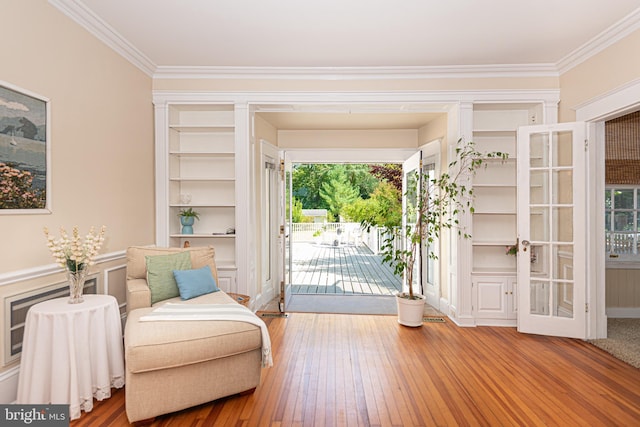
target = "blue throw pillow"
x: 193, y: 283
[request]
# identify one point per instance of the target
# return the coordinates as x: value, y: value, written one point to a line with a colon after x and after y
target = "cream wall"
x: 610, y: 69
x: 101, y: 133
x: 101, y: 145
x: 341, y: 139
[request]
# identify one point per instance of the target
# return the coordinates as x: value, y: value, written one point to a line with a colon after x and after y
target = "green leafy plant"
x: 433, y: 206
x: 189, y: 212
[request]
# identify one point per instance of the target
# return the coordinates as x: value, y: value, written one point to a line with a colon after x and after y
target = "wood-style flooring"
x: 350, y: 370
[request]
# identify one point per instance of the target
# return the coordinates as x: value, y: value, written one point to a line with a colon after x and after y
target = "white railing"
x: 338, y: 233
x: 621, y: 243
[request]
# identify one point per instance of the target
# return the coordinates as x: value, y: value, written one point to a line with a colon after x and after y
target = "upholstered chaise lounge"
x: 173, y: 365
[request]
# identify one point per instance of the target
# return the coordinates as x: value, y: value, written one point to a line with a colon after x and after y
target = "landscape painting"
x: 24, y: 152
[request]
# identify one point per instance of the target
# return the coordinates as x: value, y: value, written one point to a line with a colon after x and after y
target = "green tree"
x: 309, y: 178
x: 337, y: 191
x: 383, y: 208
x: 296, y: 211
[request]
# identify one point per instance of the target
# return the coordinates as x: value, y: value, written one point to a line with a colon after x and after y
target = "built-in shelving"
x: 494, y: 221
x: 201, y: 175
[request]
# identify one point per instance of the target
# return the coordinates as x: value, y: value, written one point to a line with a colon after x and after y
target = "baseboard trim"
x: 623, y: 312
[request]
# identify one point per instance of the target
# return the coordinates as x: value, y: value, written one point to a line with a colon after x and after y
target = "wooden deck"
x: 344, y: 269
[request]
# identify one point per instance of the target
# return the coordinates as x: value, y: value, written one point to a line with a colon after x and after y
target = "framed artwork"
x: 25, y: 166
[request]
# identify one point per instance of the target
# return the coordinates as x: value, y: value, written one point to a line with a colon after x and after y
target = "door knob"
x: 525, y: 245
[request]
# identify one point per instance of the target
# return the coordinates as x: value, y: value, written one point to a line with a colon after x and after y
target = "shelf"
x: 226, y: 265
x: 495, y: 132
x: 203, y: 236
x: 200, y: 205
x: 221, y: 155
x: 494, y: 185
x: 202, y: 128
x: 493, y: 212
x: 488, y: 271
x: 202, y: 179
x: 495, y: 243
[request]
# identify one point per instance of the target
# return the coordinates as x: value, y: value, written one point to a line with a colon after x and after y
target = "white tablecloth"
x: 71, y: 353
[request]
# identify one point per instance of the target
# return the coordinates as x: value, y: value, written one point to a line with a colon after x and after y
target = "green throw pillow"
x: 160, y: 274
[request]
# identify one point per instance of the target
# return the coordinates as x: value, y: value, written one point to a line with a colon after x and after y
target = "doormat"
x: 433, y: 319
x: 275, y: 315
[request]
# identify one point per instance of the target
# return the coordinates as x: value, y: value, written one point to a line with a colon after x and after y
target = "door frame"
x: 431, y: 153
x: 269, y: 291
x: 355, y: 155
x: 595, y: 112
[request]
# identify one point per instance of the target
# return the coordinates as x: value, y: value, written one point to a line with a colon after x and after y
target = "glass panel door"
x: 551, y: 230
x: 411, y: 170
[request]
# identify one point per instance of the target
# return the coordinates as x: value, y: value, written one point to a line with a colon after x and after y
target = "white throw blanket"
x: 227, y: 312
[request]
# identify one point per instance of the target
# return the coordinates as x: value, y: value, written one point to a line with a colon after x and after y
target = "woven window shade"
x: 622, y: 150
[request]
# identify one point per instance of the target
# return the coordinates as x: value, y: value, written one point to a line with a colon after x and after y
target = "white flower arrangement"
x: 71, y: 252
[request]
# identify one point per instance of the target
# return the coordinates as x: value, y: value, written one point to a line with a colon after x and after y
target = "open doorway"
x: 336, y: 263
x: 342, y: 241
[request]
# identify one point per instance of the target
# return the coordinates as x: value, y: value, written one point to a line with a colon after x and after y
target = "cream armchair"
x: 173, y: 365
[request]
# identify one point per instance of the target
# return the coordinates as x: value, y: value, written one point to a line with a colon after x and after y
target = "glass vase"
x: 76, y: 284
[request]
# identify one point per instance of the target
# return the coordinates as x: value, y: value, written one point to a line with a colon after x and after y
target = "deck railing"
x: 622, y: 243
x: 338, y: 233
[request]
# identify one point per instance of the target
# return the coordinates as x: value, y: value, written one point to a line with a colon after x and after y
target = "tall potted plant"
x: 437, y: 204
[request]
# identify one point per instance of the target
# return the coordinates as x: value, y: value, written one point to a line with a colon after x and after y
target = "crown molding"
x: 84, y: 17
x: 608, y: 37
x: 358, y: 73
x: 162, y: 98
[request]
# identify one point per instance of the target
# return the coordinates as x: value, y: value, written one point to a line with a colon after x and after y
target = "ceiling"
x: 356, y: 33
x: 339, y: 37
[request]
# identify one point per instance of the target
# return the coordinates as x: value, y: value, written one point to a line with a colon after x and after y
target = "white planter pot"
x: 410, y: 311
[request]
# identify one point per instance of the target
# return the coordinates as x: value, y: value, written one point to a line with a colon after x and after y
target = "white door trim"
x: 595, y: 112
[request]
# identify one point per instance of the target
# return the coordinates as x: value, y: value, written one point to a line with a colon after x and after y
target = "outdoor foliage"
x: 16, y: 190
x: 384, y: 207
x: 389, y: 172
x: 296, y: 213
x: 336, y: 187
x: 338, y: 192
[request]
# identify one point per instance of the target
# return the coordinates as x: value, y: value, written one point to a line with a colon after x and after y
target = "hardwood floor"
x: 350, y: 370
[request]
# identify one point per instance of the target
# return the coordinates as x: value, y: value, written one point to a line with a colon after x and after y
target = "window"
x: 622, y: 226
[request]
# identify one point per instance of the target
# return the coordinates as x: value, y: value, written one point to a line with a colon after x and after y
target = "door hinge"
x: 282, y: 169
x: 586, y: 307
x: 586, y: 145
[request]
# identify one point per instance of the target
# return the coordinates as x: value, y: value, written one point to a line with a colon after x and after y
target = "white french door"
x: 411, y: 174
x: 270, y: 183
x: 552, y: 229
x: 285, y: 227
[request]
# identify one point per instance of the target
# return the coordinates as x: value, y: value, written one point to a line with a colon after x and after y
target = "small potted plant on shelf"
x: 187, y: 218
x: 435, y: 206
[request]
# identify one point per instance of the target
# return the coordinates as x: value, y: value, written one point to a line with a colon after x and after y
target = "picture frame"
x: 25, y: 151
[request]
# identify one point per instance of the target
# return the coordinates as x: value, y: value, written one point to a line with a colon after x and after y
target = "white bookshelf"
x: 201, y: 175
x: 494, y: 225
